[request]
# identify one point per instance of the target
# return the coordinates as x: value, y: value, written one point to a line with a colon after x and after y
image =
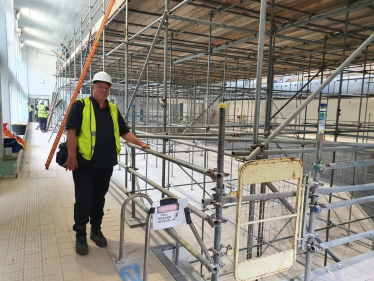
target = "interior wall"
x: 349, y: 110
x: 42, y: 71
x: 13, y: 68
x: 4, y: 69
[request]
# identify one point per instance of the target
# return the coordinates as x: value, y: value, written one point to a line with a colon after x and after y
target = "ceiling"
x: 47, y: 24
x: 309, y: 34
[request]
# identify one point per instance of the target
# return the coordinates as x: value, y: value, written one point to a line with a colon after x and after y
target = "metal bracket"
x: 218, y: 204
x: 214, y: 251
x: 214, y: 175
x: 313, y: 247
x: 329, y: 224
x: 241, y: 158
x: 317, y: 208
x: 214, y: 222
x: 260, y: 145
x: 312, y: 195
x: 228, y: 250
x: 218, y: 191
x: 267, y: 133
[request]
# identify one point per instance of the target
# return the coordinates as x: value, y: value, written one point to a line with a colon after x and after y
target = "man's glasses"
x: 103, y: 88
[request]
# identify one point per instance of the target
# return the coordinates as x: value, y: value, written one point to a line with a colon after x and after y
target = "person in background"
x: 94, y: 127
x: 36, y: 111
x: 31, y: 110
x: 42, y: 116
x: 64, y: 51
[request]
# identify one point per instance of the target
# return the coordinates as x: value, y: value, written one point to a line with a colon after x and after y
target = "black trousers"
x: 30, y: 116
x: 91, y: 185
x: 43, y: 124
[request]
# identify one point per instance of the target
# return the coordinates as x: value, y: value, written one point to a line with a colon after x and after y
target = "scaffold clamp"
x: 314, y: 248
x: 214, y: 222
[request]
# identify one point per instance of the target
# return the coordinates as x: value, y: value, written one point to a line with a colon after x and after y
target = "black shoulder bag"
x: 62, y: 154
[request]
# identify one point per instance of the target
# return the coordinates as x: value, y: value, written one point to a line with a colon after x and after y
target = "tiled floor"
x: 36, y: 237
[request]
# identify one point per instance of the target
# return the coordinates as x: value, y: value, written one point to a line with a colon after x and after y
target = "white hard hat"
x: 102, y: 77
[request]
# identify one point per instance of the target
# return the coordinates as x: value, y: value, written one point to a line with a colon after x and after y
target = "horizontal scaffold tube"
x: 192, y: 208
x: 342, y: 165
x: 265, y: 152
x: 348, y: 188
x: 188, y: 165
x: 170, y: 231
x: 249, y: 140
x: 208, y: 148
x: 229, y: 139
x: 346, y: 203
x: 254, y: 197
x: 305, y: 150
x: 345, y: 240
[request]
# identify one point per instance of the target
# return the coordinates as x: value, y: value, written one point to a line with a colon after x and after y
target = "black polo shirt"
x: 105, y: 154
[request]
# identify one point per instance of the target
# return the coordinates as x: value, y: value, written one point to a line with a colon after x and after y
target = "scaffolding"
x: 174, y: 63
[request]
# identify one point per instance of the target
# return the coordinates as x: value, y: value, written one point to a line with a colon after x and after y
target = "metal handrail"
x: 122, y: 232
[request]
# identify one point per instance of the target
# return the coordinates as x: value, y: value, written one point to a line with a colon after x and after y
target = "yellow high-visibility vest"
x: 42, y: 111
x: 87, y: 135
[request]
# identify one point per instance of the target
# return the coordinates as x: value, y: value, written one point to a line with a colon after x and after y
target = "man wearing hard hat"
x: 94, y: 127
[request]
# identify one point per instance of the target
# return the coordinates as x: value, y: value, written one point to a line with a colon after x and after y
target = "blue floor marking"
x: 130, y: 273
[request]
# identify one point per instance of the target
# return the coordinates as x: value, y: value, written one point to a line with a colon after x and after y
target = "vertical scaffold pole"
x: 164, y: 98
x: 133, y: 178
x: 220, y: 189
x: 103, y: 4
x: 260, y: 56
x: 314, y: 208
x: 336, y: 128
x: 126, y: 98
x: 89, y: 38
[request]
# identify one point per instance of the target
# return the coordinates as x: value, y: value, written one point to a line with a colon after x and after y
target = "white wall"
x: 41, y: 66
x: 349, y: 110
x: 14, y: 92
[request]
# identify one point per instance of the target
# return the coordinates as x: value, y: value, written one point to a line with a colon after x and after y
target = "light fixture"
x: 22, y: 43
x: 19, y: 31
x: 18, y: 13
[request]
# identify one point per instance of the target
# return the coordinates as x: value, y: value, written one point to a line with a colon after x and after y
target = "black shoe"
x: 98, y: 237
x: 81, y: 246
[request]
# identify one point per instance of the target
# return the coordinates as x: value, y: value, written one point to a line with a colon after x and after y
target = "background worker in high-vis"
x: 42, y: 116
x: 31, y: 111
x: 94, y: 127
